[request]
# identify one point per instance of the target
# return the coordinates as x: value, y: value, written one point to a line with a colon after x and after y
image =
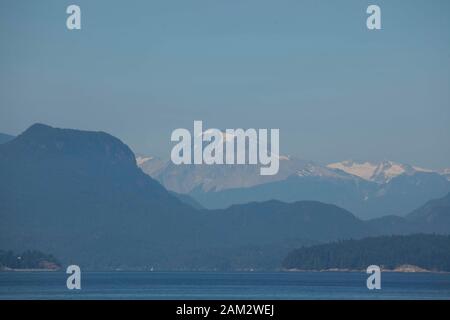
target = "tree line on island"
x: 418, y: 252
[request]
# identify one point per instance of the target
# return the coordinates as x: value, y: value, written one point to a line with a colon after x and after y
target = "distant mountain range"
x: 369, y: 190
x: 81, y: 196
x: 206, y: 178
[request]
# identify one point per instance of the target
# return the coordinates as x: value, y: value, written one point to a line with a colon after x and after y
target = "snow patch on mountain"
x: 363, y: 170
x: 141, y: 160
x: 313, y: 170
x: 387, y: 170
x: 380, y: 172
x: 187, y: 178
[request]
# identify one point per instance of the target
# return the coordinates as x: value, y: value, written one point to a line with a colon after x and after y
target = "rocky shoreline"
x: 406, y: 268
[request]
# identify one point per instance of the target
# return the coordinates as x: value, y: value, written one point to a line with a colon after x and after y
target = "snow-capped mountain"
x: 380, y: 172
x: 367, y: 189
x: 186, y: 178
x: 311, y: 169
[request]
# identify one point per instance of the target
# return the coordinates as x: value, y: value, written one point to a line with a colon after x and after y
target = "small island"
x: 411, y: 253
x: 31, y: 260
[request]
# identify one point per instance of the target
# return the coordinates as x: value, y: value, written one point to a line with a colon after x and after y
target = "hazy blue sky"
x: 139, y: 69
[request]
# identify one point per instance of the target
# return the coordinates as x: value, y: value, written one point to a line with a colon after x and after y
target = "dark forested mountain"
x: 306, y: 219
x: 81, y: 196
x: 341, y: 192
x: 430, y: 252
x: 432, y: 217
x: 5, y: 138
x: 365, y: 199
x: 186, y: 199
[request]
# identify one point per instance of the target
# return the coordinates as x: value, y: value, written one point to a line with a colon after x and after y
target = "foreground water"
x: 216, y: 285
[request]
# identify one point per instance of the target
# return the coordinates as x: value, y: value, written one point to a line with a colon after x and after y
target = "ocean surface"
x: 218, y: 285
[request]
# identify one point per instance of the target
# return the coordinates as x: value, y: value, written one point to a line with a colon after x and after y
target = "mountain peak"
x: 434, y: 215
x: 36, y: 127
x: 41, y: 139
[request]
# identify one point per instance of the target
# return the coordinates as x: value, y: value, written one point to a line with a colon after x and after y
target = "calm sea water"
x: 212, y: 285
